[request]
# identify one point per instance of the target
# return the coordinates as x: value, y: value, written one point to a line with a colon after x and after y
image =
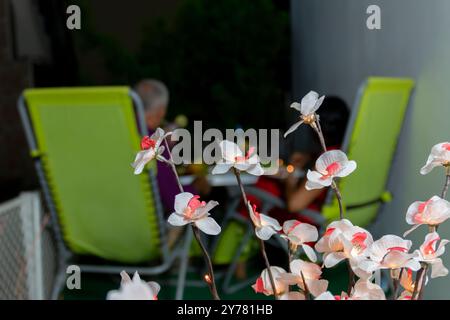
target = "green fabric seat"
x: 371, y: 141
x: 86, y: 139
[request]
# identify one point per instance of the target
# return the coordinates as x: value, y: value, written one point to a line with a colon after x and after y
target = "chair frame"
x: 65, y: 256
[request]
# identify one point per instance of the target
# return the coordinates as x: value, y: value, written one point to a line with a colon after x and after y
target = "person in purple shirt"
x: 155, y: 98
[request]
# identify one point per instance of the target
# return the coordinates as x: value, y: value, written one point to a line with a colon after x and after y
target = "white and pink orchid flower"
x: 430, y: 252
x: 189, y: 209
x: 233, y: 157
x: 308, y: 107
x: 151, y: 149
x: 307, y: 276
x: 331, y: 241
x: 431, y: 212
x: 355, y: 242
x: 439, y: 156
x: 134, y: 289
x: 265, y: 226
x: 407, y: 281
x: 299, y: 234
x: 390, y: 252
x: 363, y: 290
x: 263, y: 284
x: 329, y: 165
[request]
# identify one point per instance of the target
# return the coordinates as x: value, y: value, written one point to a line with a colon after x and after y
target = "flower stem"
x: 419, y: 283
x: 447, y: 183
x: 306, y: 290
x: 396, y: 283
x: 261, y: 242
x: 212, y: 282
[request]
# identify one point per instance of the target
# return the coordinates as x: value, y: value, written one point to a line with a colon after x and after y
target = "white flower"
x: 233, y: 157
x: 432, y: 212
x: 308, y: 107
x: 329, y: 165
x: 308, y: 271
x: 292, y: 295
x: 189, y: 209
x: 299, y: 234
x: 151, y: 148
x: 263, y: 284
x: 135, y: 289
x: 265, y: 226
x: 428, y: 253
x: 390, y: 252
x: 331, y: 241
x: 354, y: 245
x: 439, y: 156
x: 366, y: 290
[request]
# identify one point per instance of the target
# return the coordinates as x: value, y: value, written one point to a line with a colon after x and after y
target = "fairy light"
x: 290, y: 168
x: 207, y: 278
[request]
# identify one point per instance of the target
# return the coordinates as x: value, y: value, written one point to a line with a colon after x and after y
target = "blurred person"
x: 155, y: 98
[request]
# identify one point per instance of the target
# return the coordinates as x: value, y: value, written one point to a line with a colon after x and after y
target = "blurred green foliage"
x: 226, y: 62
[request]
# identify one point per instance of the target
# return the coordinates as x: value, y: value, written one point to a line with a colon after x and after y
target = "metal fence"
x: 27, y: 253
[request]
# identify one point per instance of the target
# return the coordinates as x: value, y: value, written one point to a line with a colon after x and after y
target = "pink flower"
x: 265, y: 226
x: 299, y: 234
x: 308, y: 107
x: 407, y: 281
x: 189, y: 209
x: 135, y: 289
x: 329, y: 165
x: 363, y: 290
x: 263, y: 284
x: 432, y: 212
x: 331, y: 241
x: 390, y: 252
x: 233, y: 157
x: 430, y: 252
x: 308, y: 271
x: 151, y: 148
x: 355, y: 243
x: 439, y: 156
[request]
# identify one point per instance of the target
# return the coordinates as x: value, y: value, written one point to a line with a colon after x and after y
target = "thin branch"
x: 396, y: 283
x: 212, y: 282
x: 261, y: 242
x: 447, y: 183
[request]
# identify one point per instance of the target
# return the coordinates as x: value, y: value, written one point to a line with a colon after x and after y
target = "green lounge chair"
x: 82, y: 141
x: 370, y: 140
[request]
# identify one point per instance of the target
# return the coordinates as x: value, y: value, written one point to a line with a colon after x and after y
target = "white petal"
x: 313, y: 185
x: 309, y: 253
x: 256, y: 170
x: 293, y: 128
x: 208, y: 225
x: 411, y: 230
x: 308, y: 103
x: 182, y: 201
x: 177, y: 220
x: 269, y: 221
x: 438, y: 269
x: 264, y: 233
x: 221, y: 168
x: 333, y: 258
x: 230, y: 150
x: 297, y: 106
x: 349, y: 168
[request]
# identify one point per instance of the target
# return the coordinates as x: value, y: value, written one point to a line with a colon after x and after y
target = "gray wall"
x: 333, y: 52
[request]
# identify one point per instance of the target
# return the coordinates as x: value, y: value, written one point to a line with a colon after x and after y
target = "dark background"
x: 225, y: 62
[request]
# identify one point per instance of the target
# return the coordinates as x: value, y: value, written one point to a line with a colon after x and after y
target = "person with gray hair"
x: 155, y: 98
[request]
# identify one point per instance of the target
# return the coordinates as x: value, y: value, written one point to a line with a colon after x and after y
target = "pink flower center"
x: 155, y: 297
x: 147, y: 143
x: 329, y: 231
x: 331, y: 170
x: 358, y: 239
x: 247, y: 155
x: 295, y: 224
x: 256, y: 212
x: 193, y: 205
x: 259, y: 285
x: 446, y: 146
x: 429, y: 247
x: 420, y: 210
x: 401, y: 249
